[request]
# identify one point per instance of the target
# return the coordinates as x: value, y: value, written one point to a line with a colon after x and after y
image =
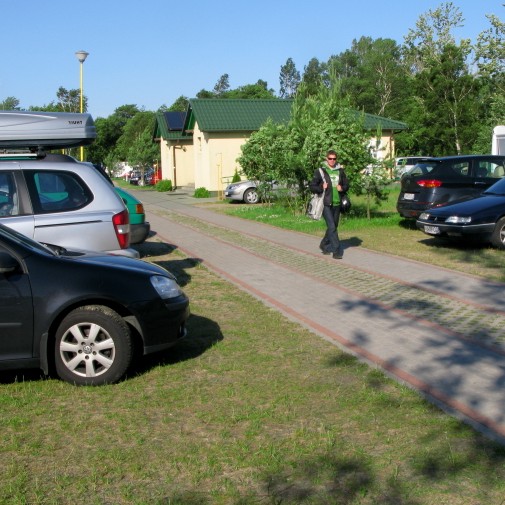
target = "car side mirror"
x: 7, y: 263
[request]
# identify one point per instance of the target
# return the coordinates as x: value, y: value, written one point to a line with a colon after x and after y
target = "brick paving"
x: 436, y: 330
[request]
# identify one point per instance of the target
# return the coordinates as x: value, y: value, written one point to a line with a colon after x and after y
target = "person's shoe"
x: 338, y: 255
x: 323, y: 250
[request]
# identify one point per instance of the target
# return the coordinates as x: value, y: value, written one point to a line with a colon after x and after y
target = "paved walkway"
x: 438, y: 331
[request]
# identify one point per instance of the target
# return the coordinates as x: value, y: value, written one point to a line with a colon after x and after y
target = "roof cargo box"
x: 48, y: 130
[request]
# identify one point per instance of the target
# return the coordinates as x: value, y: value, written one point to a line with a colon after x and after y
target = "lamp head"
x: 81, y: 55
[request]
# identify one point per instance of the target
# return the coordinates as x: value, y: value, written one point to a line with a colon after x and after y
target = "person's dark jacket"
x: 316, y: 184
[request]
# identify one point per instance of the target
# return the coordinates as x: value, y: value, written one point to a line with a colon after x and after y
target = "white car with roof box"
x: 53, y: 198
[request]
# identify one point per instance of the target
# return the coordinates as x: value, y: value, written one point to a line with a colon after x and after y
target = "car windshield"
x: 498, y: 188
x: 19, y: 238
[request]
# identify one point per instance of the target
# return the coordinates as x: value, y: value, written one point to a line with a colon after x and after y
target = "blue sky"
x: 151, y: 52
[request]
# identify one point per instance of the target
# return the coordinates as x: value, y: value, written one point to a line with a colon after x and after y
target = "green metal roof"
x: 245, y: 115
x: 371, y: 122
x: 214, y: 114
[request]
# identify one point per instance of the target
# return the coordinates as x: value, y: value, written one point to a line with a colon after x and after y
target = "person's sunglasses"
x: 332, y: 158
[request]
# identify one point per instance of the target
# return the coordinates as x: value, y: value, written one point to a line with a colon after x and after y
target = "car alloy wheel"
x: 93, y: 346
x: 251, y: 196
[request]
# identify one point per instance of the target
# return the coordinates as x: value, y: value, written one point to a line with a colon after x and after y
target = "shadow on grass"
x: 157, y: 252
x: 202, y: 334
x: 28, y: 375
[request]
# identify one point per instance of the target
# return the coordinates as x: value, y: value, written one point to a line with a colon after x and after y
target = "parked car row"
x: 138, y: 179
x: 80, y: 314
x: 457, y: 196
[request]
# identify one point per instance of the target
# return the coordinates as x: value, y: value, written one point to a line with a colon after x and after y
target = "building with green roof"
x: 200, y: 147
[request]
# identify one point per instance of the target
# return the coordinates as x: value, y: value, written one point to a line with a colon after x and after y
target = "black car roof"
x: 468, y: 156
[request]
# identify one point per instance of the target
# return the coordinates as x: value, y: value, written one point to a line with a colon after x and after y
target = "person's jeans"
x: 331, y: 242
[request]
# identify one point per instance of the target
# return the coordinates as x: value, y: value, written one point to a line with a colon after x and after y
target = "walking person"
x: 333, y: 184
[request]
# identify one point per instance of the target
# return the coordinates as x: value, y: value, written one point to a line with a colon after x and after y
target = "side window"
x: 461, y: 168
x: 59, y: 191
x: 8, y: 195
x: 495, y: 170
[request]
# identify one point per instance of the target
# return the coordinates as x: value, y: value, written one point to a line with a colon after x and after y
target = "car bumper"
x: 431, y: 228
x: 411, y: 210
x: 234, y: 195
x: 139, y: 232
x: 162, y: 323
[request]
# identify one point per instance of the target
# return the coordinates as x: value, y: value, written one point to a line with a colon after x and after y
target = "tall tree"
x: 490, y: 58
x: 132, y: 130
x: 314, y: 75
x: 371, y: 75
x: 251, y: 91
x: 446, y: 95
x: 445, y: 91
x: 424, y: 44
x: 10, y: 103
x: 70, y: 100
x: 180, y: 105
x: 109, y: 130
x: 222, y: 85
x: 289, y: 79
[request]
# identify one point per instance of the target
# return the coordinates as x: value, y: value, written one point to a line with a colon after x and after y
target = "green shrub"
x: 164, y: 185
x: 236, y: 177
x: 201, y: 193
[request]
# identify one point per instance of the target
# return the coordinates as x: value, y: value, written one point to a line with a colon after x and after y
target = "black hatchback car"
x: 439, y: 181
x: 83, y: 315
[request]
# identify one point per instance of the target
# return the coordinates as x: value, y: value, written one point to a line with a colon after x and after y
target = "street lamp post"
x: 81, y: 56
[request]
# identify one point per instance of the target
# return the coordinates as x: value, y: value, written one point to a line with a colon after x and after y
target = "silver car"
x: 243, y: 191
x: 248, y: 191
x: 54, y: 199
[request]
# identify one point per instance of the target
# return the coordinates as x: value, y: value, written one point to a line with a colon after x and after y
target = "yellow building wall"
x: 177, y: 162
x: 216, y: 158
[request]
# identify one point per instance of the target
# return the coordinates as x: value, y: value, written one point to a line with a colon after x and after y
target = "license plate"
x: 408, y: 196
x: 432, y: 230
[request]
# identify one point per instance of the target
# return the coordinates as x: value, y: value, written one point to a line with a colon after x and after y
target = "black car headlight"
x: 166, y: 287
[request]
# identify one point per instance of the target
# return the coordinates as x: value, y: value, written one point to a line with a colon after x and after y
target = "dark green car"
x: 139, y: 228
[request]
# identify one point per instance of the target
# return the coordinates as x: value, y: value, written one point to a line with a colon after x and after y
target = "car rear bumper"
x: 139, y: 232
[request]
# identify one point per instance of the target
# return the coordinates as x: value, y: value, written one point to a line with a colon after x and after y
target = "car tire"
x: 93, y: 347
x: 498, y: 235
x: 251, y: 196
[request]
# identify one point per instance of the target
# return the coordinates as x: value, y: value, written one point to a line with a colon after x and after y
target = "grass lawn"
x: 252, y: 409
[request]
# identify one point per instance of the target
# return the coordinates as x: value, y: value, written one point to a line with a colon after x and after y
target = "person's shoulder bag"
x: 316, y: 203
